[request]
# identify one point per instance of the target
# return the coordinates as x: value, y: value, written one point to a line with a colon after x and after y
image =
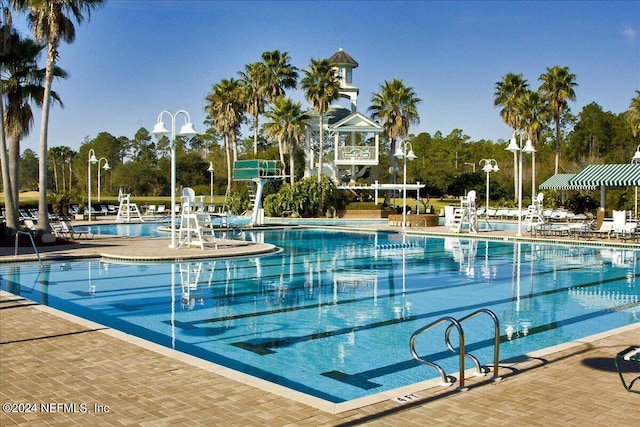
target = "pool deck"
x: 75, y: 372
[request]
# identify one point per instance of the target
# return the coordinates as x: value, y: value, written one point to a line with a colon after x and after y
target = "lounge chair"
x: 66, y: 229
x: 605, y: 229
x: 30, y: 225
x: 626, y: 357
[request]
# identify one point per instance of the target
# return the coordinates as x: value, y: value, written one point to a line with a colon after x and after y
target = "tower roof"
x: 342, y: 58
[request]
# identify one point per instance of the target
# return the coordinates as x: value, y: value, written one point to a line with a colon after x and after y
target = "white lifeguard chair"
x: 534, y: 216
x: 195, y: 224
x: 465, y: 214
x: 127, y: 211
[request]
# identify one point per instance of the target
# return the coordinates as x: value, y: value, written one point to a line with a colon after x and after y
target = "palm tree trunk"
x: 55, y: 175
x: 557, y: 144
x: 280, y: 150
x: 533, y: 176
x: 43, y: 214
x: 291, y: 168
x: 255, y: 135
x: 320, y: 143
x: 227, y: 150
x: 14, y: 173
x: 8, y: 183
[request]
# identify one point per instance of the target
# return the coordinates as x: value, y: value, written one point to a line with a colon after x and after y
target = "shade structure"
x: 608, y: 176
x: 560, y: 181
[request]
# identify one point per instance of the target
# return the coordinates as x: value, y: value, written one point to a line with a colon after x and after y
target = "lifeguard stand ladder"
x: 127, y: 210
x: 258, y: 171
x: 194, y: 223
x: 534, y: 216
x: 465, y: 214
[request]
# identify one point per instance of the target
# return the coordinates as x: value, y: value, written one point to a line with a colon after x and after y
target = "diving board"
x: 258, y: 171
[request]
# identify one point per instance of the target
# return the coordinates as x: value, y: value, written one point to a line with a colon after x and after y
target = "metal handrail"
x: 32, y: 244
x: 454, y: 322
x: 496, y: 350
x: 458, y: 325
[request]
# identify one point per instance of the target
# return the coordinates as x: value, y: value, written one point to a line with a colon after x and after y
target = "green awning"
x: 561, y: 181
x: 608, y: 176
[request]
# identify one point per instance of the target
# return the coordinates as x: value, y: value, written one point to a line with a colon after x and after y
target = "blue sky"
x: 135, y: 58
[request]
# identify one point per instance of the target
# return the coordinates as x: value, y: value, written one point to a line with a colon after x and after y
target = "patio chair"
x: 67, y: 229
x: 619, y: 223
x: 30, y: 225
x: 625, y: 358
x: 604, y: 231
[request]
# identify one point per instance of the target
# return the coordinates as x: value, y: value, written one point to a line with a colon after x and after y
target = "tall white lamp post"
x: 105, y: 167
x: 210, y: 170
x: 94, y: 160
x: 514, y: 147
x: 405, y: 152
x: 636, y: 159
x: 490, y: 165
x: 187, y: 130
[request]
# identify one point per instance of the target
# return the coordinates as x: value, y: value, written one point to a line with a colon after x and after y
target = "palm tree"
x: 633, y: 114
x: 11, y: 205
x: 557, y: 87
x: 280, y: 74
x: 21, y: 84
x: 396, y: 105
x: 508, y: 91
x: 254, y: 80
x: 225, y: 108
x: 321, y: 86
x: 533, y: 113
x: 51, y: 24
x: 287, y: 126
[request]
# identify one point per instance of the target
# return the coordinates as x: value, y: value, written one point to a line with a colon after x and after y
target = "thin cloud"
x: 629, y: 33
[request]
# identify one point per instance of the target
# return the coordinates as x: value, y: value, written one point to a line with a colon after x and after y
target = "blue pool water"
x: 159, y: 229
x: 332, y: 314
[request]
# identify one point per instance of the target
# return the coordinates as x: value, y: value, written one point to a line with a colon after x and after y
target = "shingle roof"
x: 342, y: 58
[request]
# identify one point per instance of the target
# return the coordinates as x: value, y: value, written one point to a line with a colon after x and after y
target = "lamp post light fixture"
x: 94, y: 160
x: 210, y: 170
x: 405, y: 152
x: 516, y: 148
x: 636, y: 159
x: 187, y: 130
x: 490, y: 165
x: 105, y: 167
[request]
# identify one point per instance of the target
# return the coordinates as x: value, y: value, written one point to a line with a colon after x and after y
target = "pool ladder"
x: 457, y: 323
x: 18, y: 233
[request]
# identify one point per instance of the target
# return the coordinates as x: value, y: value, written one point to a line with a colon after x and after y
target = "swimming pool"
x: 331, y: 315
x: 159, y: 229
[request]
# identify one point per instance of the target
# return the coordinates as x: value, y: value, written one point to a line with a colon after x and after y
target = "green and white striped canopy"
x: 609, y: 176
x: 560, y: 181
x: 595, y: 176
